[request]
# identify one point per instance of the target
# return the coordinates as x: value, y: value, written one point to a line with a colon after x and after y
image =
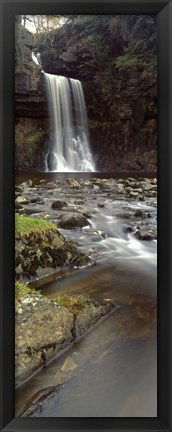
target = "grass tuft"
x: 25, y: 226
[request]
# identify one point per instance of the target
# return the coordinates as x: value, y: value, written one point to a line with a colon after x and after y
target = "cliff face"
x: 115, y: 59
x: 30, y: 106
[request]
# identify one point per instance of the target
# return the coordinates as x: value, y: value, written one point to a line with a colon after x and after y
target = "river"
x: 114, y: 370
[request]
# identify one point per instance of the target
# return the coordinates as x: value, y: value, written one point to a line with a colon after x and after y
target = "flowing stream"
x: 115, y: 364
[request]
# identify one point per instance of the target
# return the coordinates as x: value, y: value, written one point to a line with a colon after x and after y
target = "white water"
x: 69, y: 145
x: 69, y: 149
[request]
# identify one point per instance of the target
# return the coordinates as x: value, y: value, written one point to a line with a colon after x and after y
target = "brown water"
x: 114, y: 365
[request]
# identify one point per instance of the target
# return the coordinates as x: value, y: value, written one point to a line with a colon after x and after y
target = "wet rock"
x: 145, y: 233
x: 124, y: 215
x: 128, y: 229
x: 139, y: 214
x: 96, y: 188
x: 80, y: 201
x: 18, y: 189
x: 88, y: 183
x: 105, y: 185
x: 87, y: 214
x: 73, y: 220
x: 133, y: 194
x: 18, y: 206
x: 101, y: 205
x: 36, y: 200
x: 21, y: 200
x: 58, y: 204
x: 91, y: 313
x: 28, y: 183
x: 74, y: 184
x: 120, y: 188
x: 100, y: 233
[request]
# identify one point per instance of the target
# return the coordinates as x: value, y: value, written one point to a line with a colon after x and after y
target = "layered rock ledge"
x: 44, y: 327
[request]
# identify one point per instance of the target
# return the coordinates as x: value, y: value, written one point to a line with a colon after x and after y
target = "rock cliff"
x: 115, y: 59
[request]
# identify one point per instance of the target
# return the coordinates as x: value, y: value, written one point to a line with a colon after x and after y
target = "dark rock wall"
x: 115, y: 59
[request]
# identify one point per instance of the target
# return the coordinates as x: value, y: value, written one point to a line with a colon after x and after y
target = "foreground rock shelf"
x: 45, y: 328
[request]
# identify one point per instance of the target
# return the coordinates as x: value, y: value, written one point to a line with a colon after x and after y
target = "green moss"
x: 26, y: 225
x: 21, y: 290
x: 75, y: 303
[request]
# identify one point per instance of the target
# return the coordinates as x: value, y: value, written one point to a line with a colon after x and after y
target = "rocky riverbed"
x: 81, y: 224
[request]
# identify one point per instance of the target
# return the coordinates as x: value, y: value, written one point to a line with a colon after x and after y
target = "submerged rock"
x: 68, y: 365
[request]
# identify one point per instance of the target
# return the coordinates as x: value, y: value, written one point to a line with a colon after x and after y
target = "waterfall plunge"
x: 69, y: 145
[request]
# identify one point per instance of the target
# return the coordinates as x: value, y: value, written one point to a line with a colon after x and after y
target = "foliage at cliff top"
x: 106, y: 37
x: 24, y: 226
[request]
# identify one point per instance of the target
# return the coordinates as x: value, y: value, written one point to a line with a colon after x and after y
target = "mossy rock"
x: 21, y: 290
x: 26, y: 226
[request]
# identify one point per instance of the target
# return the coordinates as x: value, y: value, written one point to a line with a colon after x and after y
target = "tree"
x: 25, y: 19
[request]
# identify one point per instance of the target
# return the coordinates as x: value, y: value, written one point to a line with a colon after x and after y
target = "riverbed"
x: 114, y: 365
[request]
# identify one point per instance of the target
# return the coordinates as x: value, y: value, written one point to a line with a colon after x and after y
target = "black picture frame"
x: 163, y: 10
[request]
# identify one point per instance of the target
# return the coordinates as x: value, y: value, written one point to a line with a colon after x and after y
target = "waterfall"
x: 69, y: 143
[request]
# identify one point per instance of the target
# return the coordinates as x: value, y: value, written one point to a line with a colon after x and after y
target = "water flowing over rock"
x: 69, y: 145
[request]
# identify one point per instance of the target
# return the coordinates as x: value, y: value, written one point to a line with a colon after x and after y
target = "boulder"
x: 73, y: 220
x: 58, y: 204
x: 146, y: 233
x: 21, y: 200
